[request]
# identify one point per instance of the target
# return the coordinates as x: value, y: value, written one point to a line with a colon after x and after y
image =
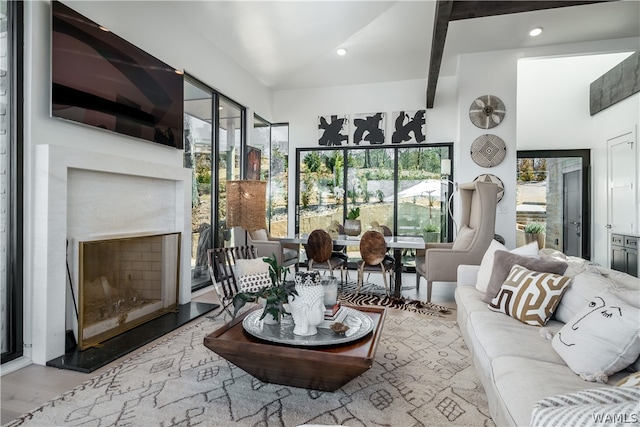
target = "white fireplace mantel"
x: 80, y: 193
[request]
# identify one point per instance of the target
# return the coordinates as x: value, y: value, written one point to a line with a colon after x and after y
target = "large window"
x: 271, y: 143
x: 213, y: 151
x: 11, y: 178
x: 401, y: 187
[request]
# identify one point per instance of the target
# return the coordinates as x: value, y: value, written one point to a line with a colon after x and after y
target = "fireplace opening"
x: 125, y: 282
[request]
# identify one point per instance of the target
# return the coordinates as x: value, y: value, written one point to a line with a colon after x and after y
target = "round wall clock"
x: 487, y: 177
x: 488, y: 150
x: 487, y: 111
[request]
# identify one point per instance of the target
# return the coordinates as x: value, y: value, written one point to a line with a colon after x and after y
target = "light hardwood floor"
x: 29, y: 387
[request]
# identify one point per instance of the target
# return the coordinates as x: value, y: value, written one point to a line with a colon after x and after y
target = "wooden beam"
x: 482, y: 8
x: 453, y: 10
x: 440, y: 27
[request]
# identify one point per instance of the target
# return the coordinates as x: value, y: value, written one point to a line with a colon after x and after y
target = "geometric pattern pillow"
x: 253, y: 282
x: 589, y: 408
x: 530, y: 296
x: 632, y: 380
x: 252, y: 274
x: 503, y: 261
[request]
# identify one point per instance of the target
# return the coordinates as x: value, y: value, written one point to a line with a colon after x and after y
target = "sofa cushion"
x: 503, y: 261
x: 464, y: 238
x: 522, y: 381
x: 486, y: 264
x: 601, y: 339
x: 496, y: 335
x: 530, y: 296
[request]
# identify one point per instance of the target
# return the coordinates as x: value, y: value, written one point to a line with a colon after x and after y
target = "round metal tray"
x: 360, y: 324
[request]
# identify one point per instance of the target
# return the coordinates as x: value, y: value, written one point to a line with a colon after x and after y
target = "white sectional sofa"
x: 516, y: 362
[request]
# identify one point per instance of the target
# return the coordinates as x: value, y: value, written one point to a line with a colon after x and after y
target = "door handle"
x: 608, y: 226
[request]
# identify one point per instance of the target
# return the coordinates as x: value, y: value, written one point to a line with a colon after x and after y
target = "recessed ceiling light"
x: 179, y: 72
x: 342, y: 51
x: 535, y: 32
x: 104, y: 28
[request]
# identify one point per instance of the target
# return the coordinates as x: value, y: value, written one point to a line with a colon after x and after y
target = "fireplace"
x: 125, y: 282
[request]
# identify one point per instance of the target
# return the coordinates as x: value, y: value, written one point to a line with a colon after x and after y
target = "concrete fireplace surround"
x: 80, y: 196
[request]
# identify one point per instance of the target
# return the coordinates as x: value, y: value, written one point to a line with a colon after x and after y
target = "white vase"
x: 307, y: 308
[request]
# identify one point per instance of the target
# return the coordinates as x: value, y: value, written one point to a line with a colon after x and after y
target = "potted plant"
x: 431, y: 233
x: 275, y: 296
x: 352, y: 225
x: 535, y: 231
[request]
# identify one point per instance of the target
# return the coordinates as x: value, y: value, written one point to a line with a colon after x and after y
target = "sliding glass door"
x: 213, y: 151
x: 11, y: 170
x: 401, y: 187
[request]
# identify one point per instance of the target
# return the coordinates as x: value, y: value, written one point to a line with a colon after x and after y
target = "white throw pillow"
x: 245, y: 267
x: 601, y: 339
x: 486, y: 265
x: 464, y: 238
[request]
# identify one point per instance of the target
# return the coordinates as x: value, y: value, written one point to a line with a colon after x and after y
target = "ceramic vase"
x: 307, y: 308
x: 352, y: 227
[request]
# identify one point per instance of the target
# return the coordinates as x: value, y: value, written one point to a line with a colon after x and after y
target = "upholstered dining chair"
x: 320, y: 253
x: 373, y: 251
x: 287, y: 254
x: 439, y: 261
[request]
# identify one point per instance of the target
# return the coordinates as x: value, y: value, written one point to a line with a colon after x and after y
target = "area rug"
x: 375, y: 294
x: 422, y: 376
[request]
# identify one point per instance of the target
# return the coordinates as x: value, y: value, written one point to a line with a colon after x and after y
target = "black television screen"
x: 102, y: 80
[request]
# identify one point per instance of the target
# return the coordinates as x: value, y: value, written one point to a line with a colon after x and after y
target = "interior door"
x: 621, y: 176
x: 572, y: 214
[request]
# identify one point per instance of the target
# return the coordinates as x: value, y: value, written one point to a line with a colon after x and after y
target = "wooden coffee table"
x: 319, y: 368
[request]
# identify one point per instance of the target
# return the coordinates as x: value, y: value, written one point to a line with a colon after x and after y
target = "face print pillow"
x: 601, y: 339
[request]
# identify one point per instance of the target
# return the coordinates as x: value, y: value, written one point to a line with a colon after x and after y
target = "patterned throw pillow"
x: 633, y: 380
x: 529, y: 296
x: 252, y: 274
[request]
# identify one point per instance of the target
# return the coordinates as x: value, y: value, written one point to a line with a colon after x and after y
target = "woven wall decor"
x: 488, y: 150
x: 487, y: 111
x: 487, y: 177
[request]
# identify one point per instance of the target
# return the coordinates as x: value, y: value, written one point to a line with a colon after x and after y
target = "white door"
x: 621, y: 174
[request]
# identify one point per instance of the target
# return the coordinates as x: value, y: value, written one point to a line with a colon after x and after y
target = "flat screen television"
x: 102, y: 80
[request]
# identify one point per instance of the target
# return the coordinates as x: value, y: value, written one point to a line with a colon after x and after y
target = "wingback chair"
x: 439, y: 261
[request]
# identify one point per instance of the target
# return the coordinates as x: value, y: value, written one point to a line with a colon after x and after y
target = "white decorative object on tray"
x: 360, y: 324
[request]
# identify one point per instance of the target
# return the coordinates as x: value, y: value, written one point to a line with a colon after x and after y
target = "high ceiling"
x: 292, y: 44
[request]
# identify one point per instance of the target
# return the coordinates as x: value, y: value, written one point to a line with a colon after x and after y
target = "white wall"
x: 553, y: 113
x: 301, y: 109
x: 160, y: 34
x: 490, y: 73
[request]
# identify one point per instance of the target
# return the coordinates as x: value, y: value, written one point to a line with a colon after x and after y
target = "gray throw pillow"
x: 502, y: 263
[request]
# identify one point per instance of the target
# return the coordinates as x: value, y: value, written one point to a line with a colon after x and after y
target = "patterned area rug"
x: 374, y: 294
x: 422, y: 376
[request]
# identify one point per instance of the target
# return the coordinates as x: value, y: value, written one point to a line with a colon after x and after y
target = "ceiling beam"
x: 454, y: 10
x: 440, y: 27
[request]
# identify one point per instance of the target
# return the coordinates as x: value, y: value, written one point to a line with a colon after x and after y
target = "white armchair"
x: 287, y: 254
x: 440, y: 261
